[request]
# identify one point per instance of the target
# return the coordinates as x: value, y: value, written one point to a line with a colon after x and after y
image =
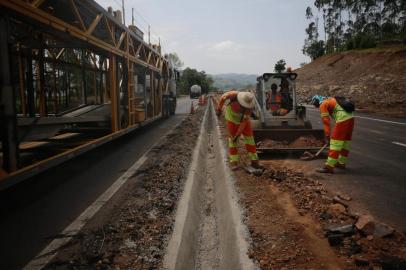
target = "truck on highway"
x: 87, y: 91
x: 195, y: 91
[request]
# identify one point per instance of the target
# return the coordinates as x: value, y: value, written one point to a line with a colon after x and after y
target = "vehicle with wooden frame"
x: 73, y: 77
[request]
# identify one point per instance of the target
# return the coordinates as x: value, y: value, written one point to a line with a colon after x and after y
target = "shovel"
x: 309, y: 156
x: 254, y: 171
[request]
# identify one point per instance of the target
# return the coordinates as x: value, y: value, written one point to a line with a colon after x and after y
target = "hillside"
x: 374, y: 79
x: 233, y: 80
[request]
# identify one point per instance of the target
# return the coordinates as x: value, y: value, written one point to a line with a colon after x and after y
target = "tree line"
x: 353, y: 24
x: 190, y: 76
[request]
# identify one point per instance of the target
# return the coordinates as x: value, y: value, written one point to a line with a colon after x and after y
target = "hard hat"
x: 317, y: 100
x: 246, y: 99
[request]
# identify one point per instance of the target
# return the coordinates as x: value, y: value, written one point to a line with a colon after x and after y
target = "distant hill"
x: 233, y: 80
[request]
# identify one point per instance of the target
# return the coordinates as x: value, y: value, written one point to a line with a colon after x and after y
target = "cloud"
x: 225, y: 46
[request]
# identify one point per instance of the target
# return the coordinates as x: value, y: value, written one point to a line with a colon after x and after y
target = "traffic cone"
x: 192, y: 108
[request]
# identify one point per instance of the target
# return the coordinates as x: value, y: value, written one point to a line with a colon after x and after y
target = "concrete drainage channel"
x: 208, y: 232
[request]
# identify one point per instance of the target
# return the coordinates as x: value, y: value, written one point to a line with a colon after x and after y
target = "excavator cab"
x: 280, y: 123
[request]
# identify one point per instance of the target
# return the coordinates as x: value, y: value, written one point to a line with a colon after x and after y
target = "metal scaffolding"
x: 70, y: 65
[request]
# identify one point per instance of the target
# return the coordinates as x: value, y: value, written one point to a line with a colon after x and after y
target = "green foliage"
x: 280, y: 66
x: 355, y: 24
x: 190, y: 77
x: 175, y: 61
x: 315, y: 49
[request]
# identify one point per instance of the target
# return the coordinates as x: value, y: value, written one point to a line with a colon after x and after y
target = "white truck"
x: 195, y: 91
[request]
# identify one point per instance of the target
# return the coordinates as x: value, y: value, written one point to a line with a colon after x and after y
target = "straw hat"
x: 246, y: 99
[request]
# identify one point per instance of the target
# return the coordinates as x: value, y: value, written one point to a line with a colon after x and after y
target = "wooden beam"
x: 93, y: 25
x: 37, y: 3
x: 27, y: 10
x: 60, y: 53
x: 122, y: 36
x: 138, y: 50
x: 77, y: 14
x: 113, y: 93
x: 109, y: 30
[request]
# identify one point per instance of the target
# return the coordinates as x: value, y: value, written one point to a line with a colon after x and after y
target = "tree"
x: 357, y: 24
x: 280, y: 66
x: 191, y: 77
x: 315, y: 49
x: 175, y: 61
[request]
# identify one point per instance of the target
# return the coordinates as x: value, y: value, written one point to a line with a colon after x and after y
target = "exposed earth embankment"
x: 374, y: 79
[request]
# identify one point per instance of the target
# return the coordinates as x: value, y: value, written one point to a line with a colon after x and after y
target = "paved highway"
x: 35, y: 212
x: 376, y: 174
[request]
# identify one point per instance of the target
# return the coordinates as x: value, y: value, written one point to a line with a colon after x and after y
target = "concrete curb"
x: 180, y: 252
x: 184, y: 243
x: 234, y: 239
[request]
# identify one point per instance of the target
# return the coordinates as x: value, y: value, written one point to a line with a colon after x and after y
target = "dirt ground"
x: 291, y: 215
x: 375, y: 80
x: 298, y: 143
x: 132, y: 231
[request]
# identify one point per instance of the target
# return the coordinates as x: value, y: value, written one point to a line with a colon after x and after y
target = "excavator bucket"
x: 288, y: 140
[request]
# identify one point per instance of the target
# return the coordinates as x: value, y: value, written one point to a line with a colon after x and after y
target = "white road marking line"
x: 50, y: 251
x: 401, y: 144
x: 376, y: 131
x: 369, y: 118
x: 381, y: 120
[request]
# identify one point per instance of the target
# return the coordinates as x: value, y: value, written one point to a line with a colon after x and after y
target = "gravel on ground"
x: 132, y: 230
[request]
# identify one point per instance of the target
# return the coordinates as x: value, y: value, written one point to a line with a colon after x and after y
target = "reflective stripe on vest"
x: 232, y: 116
x: 340, y: 115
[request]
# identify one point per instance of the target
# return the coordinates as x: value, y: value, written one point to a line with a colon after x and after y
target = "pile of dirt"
x: 301, y: 142
x: 134, y: 231
x: 375, y: 80
x: 295, y: 223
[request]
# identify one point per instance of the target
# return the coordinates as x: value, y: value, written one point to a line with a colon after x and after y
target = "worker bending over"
x: 238, y: 110
x: 341, y: 110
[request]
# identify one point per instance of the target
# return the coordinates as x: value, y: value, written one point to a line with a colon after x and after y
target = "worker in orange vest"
x: 274, y: 102
x: 341, y: 110
x: 237, y: 115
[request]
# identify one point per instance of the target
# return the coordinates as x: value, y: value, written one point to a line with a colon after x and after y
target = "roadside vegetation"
x: 342, y: 25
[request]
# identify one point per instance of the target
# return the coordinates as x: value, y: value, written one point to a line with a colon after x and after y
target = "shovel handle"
x: 321, y: 149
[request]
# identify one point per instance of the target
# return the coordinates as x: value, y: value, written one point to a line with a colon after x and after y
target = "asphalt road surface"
x: 35, y: 212
x: 376, y: 173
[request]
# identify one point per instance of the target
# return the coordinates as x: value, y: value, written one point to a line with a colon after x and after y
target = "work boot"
x: 325, y: 169
x: 234, y: 165
x: 255, y: 164
x: 340, y: 166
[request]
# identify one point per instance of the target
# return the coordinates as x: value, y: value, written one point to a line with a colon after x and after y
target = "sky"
x: 224, y: 36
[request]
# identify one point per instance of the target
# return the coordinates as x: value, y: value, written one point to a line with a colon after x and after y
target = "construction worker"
x: 237, y: 115
x: 341, y: 110
x: 274, y: 102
